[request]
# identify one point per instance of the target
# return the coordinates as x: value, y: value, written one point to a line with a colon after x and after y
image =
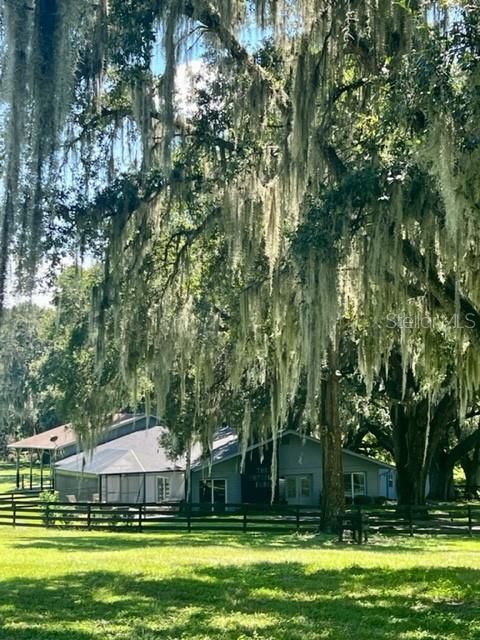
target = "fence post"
x: 14, y: 514
x: 189, y: 518
x: 140, y: 517
x: 89, y: 516
x: 410, y: 520
x: 297, y: 518
x: 47, y: 514
x: 244, y: 519
x: 469, y: 512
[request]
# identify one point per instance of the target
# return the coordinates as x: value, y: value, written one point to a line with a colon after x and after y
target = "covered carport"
x: 50, y: 446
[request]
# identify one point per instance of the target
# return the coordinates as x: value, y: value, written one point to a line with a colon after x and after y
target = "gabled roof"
x: 368, y: 459
x: 137, y: 452
x: 228, y: 446
x: 64, y: 435
x: 55, y: 438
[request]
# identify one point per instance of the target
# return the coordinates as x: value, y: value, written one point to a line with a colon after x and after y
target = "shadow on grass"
x: 285, y: 601
x: 120, y: 541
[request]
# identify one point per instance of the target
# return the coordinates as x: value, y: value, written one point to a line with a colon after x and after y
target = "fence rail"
x: 231, y: 517
x: 15, y: 510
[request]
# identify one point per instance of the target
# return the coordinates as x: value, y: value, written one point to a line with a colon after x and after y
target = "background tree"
x: 24, y: 406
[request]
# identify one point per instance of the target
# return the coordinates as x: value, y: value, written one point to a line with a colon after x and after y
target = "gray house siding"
x: 299, y: 461
x: 229, y: 470
x: 299, y: 475
x: 380, y: 478
x: 84, y: 487
x: 352, y: 464
x: 301, y: 458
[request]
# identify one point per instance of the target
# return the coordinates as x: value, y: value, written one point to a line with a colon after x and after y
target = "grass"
x: 63, y: 585
x: 8, y: 475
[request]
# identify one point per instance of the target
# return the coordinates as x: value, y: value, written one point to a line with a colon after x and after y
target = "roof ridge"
x: 137, y: 459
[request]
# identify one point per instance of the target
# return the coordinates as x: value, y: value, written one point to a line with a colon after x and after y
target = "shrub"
x: 46, y: 500
x: 361, y: 500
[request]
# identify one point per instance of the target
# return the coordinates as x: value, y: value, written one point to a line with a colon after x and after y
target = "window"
x: 291, y: 487
x: 305, y: 487
x: 299, y: 488
x: 163, y: 488
x: 355, y: 484
x: 213, y: 491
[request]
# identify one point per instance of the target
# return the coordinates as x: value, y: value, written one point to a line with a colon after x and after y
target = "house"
x: 132, y: 468
x: 61, y: 442
x: 220, y: 478
x: 135, y: 467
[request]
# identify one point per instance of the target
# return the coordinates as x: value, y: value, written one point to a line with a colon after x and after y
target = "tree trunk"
x: 409, y: 446
x: 471, y: 468
x: 411, y: 485
x: 333, y: 496
x: 441, y: 477
x: 418, y: 429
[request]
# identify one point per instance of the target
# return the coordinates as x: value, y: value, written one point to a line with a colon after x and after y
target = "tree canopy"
x: 322, y: 173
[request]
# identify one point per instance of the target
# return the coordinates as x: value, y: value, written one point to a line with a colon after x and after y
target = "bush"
x: 67, y: 515
x: 363, y: 500
x: 47, y: 499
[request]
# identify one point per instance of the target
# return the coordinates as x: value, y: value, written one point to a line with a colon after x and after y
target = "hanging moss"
x: 338, y: 63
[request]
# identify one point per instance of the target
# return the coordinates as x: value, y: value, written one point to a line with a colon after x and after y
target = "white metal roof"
x: 136, y: 452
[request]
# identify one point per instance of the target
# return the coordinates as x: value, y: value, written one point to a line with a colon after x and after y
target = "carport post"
x: 31, y: 470
x: 41, y: 469
x: 17, y: 467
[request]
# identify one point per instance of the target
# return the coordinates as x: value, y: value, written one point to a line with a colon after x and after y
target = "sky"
x: 189, y: 72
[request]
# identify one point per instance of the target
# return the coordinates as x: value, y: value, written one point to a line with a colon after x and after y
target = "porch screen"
x: 163, y: 488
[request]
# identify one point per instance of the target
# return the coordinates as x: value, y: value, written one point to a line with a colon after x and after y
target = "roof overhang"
x: 205, y: 463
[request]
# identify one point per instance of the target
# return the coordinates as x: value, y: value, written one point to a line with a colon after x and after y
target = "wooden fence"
x: 154, y: 517
x: 25, y: 510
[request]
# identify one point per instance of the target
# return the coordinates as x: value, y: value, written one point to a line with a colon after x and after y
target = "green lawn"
x: 62, y: 585
x: 8, y: 475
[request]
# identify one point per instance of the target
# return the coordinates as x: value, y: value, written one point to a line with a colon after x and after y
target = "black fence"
x: 153, y: 517
x: 25, y: 510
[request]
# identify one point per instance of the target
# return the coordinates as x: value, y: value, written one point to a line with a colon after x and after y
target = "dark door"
x: 213, y: 491
x: 257, y: 477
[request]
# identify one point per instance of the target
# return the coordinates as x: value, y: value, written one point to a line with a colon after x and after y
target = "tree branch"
x: 205, y: 12
x: 463, y: 447
x: 443, y: 292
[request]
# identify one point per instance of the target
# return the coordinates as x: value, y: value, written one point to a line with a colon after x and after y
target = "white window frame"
x: 298, y: 477
x: 212, y: 481
x: 166, y: 488
x: 290, y: 480
x: 351, y: 494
